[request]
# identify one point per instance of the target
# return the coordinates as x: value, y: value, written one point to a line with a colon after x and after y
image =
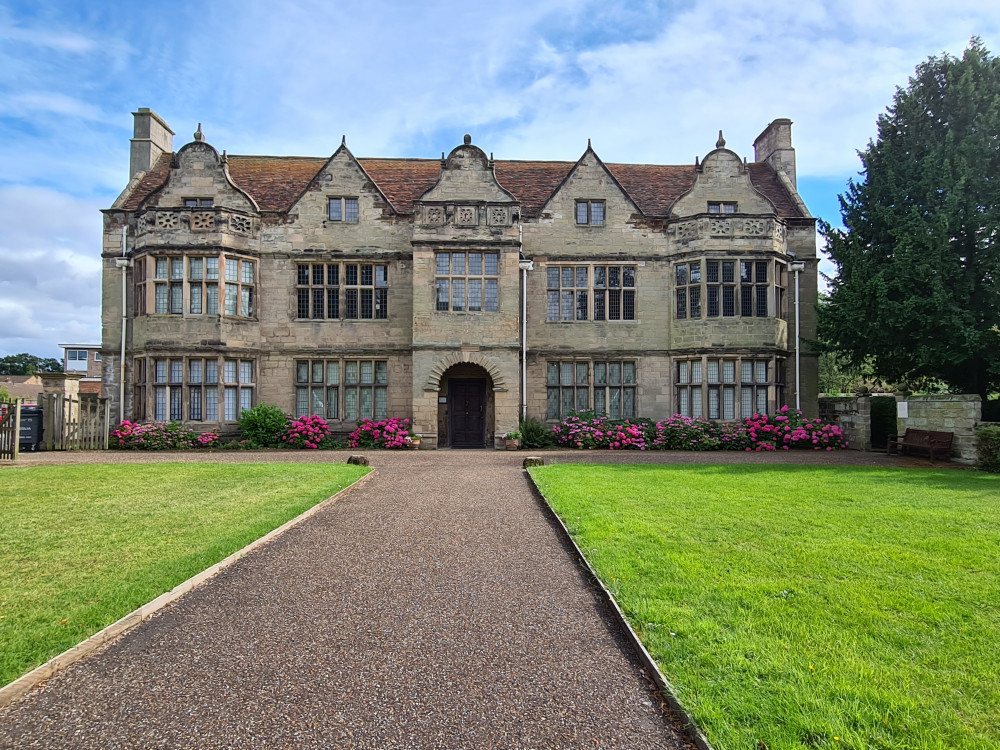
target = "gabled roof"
x: 275, y: 182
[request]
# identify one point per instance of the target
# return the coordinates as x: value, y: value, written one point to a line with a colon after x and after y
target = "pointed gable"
x: 590, y: 180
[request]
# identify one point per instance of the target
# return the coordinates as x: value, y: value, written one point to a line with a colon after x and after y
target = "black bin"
x: 31, y: 428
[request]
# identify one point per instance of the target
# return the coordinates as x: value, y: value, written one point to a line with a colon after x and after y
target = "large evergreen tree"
x: 918, y: 263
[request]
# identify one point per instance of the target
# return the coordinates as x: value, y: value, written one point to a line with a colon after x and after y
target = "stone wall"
x: 960, y: 414
x: 853, y: 415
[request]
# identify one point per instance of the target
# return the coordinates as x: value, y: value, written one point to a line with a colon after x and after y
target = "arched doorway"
x: 466, y: 407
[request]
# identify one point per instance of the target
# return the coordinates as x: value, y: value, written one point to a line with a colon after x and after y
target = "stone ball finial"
x: 467, y: 139
x: 198, y: 135
x: 721, y: 143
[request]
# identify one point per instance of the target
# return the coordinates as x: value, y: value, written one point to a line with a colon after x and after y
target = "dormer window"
x: 344, y: 209
x: 590, y: 213
x: 722, y: 207
x: 199, y: 202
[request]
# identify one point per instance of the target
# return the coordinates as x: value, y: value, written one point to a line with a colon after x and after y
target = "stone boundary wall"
x: 852, y: 414
x: 960, y: 414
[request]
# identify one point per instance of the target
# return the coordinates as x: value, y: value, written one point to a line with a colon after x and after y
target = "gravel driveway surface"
x: 435, y: 607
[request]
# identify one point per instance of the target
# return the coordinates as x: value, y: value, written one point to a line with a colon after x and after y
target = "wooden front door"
x: 467, y: 411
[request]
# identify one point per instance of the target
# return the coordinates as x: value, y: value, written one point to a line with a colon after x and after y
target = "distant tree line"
x: 28, y: 364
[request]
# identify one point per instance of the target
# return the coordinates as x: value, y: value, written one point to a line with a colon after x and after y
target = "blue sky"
x: 646, y: 81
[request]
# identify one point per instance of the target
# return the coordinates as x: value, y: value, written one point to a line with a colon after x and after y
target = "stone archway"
x: 456, y: 358
x: 466, y: 406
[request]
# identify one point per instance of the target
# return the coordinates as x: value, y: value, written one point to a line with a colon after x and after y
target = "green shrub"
x: 988, y: 448
x: 535, y: 434
x: 262, y: 424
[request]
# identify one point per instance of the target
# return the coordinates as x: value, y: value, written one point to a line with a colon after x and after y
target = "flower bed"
x: 159, y: 436
x: 389, y: 433
x: 786, y: 430
x: 305, y: 432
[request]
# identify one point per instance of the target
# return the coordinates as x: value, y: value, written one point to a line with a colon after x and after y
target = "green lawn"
x: 82, y: 546
x: 802, y: 607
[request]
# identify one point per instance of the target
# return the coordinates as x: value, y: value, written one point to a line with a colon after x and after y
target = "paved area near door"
x: 434, y: 607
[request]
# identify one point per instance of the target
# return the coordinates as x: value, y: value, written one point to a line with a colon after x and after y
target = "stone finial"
x: 467, y: 139
x: 721, y: 143
x: 343, y: 140
x: 589, y: 147
x: 198, y: 135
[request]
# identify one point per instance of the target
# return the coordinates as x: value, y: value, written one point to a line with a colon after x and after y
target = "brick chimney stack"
x: 774, y: 146
x: 153, y: 137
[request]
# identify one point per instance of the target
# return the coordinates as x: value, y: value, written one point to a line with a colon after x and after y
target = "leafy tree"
x: 918, y: 263
x: 28, y: 364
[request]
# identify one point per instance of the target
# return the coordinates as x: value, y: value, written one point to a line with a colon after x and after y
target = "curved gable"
x: 722, y: 177
x: 467, y: 175
x: 198, y: 171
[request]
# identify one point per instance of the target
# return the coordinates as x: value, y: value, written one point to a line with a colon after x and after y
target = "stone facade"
x: 853, y: 414
x: 960, y: 414
x: 460, y: 291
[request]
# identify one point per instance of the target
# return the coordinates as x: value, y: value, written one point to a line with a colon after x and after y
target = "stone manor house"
x: 461, y: 292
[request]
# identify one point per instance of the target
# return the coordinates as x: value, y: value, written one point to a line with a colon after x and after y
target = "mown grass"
x: 82, y: 546
x: 801, y: 607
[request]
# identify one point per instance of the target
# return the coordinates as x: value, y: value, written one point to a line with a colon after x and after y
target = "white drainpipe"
x: 123, y: 264
x: 525, y: 266
x: 797, y: 267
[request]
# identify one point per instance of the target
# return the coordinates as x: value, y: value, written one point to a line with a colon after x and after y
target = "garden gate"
x: 71, y: 422
x: 10, y: 428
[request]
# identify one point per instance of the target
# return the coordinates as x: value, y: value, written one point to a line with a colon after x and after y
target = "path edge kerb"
x: 28, y: 682
x: 663, y: 685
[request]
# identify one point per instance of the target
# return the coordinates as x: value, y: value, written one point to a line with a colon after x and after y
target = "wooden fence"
x: 10, y: 428
x: 74, y: 422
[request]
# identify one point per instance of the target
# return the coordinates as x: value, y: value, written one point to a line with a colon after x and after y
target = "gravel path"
x: 435, y: 607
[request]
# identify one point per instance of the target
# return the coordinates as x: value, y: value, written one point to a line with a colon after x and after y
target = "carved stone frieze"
x: 498, y: 216
x: 240, y: 224
x: 712, y: 227
x: 466, y: 216
x: 171, y: 220
x: 202, y: 221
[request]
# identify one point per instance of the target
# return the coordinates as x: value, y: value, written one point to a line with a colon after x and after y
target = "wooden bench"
x: 924, y: 442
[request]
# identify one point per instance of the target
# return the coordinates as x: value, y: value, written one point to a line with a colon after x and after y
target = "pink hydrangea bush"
x: 305, y: 432
x: 788, y: 430
x: 159, y: 436
x: 590, y: 431
x: 393, y: 433
x: 680, y: 433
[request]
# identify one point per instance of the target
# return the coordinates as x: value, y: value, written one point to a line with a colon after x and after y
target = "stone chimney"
x: 774, y: 146
x: 152, y: 137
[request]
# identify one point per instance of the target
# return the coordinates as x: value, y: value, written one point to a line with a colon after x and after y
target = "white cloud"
x: 51, y: 285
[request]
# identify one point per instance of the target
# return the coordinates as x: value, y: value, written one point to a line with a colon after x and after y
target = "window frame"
x: 727, y: 387
x: 463, y: 278
x: 331, y: 290
x: 187, y: 293
x: 348, y: 209
x: 593, y: 385
x: 313, y: 386
x: 724, y: 208
x: 748, y: 296
x: 588, y: 205
x: 175, y: 394
x: 611, y: 292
